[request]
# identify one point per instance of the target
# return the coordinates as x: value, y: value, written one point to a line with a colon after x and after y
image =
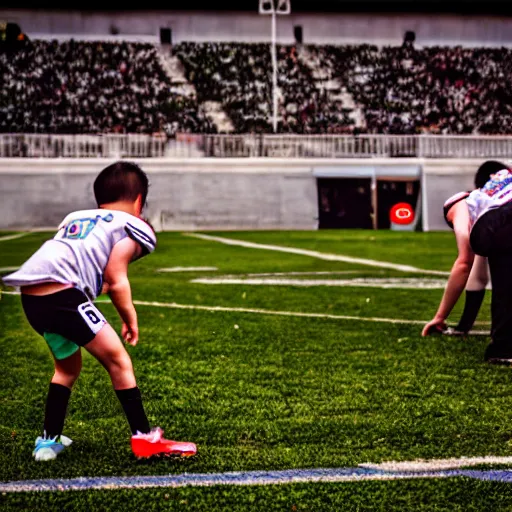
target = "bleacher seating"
x: 83, y: 87
x: 99, y: 87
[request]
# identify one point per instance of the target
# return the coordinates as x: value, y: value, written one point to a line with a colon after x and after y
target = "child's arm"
x: 460, y: 270
x: 116, y: 275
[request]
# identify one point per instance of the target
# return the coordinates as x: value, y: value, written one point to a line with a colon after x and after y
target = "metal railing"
x: 81, y: 146
x: 254, y: 145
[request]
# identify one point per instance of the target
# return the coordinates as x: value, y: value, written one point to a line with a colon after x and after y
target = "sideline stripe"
x: 13, y: 237
x: 174, y: 305
x: 288, y: 476
x: 316, y: 254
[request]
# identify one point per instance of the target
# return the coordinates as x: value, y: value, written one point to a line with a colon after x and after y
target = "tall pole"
x: 274, y: 70
x: 274, y: 7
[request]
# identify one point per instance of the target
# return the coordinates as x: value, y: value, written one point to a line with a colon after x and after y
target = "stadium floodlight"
x: 273, y: 8
x: 266, y: 6
x: 283, y: 7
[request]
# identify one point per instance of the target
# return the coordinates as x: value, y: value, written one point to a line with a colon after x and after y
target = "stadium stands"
x: 91, y: 88
x: 82, y: 87
x: 398, y: 90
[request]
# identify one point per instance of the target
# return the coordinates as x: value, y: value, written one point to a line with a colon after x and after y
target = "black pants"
x: 491, y: 237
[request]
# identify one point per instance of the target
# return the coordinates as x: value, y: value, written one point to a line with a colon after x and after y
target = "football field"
x: 293, y: 360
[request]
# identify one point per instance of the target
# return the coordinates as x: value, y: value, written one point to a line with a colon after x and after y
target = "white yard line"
x: 8, y: 269
x: 383, y: 283
x: 174, y: 305
x: 321, y: 273
x: 13, y: 237
x: 386, y: 471
x: 318, y: 255
x: 187, y: 269
x: 437, y: 464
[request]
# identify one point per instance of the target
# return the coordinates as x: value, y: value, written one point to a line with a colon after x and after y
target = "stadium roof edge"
x: 468, y: 7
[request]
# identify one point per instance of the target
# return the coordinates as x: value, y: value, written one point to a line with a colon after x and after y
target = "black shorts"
x: 68, y: 314
x: 492, y: 232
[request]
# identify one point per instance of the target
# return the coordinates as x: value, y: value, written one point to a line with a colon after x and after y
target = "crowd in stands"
x: 400, y: 90
x: 443, y: 90
x: 240, y: 77
x: 99, y: 87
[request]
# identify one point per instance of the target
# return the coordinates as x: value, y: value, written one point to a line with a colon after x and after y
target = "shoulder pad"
x: 142, y: 233
x: 456, y: 198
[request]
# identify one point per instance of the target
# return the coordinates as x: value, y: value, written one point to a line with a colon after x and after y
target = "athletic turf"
x: 259, y: 392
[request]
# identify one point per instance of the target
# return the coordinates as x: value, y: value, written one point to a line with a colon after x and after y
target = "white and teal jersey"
x: 495, y: 193
x: 79, y: 252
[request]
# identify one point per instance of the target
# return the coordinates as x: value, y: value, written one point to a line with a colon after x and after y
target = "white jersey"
x: 495, y: 193
x: 79, y: 252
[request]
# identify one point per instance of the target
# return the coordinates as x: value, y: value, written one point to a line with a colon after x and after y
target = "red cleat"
x: 153, y: 443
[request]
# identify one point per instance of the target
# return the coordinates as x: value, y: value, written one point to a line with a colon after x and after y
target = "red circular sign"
x: 402, y: 213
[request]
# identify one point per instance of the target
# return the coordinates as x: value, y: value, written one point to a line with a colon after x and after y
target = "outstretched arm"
x: 116, y: 276
x: 460, y: 270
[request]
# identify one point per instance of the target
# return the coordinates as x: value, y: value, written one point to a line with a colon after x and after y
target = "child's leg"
x: 66, y: 373
x: 475, y: 293
x: 109, y: 350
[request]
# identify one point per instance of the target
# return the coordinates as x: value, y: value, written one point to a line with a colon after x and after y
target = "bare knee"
x: 119, y: 363
x: 66, y: 377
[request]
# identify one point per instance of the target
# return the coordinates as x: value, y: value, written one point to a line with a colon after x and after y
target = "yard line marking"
x: 13, y: 237
x: 436, y: 464
x: 316, y: 254
x: 409, y: 470
x: 187, y: 269
x: 8, y: 269
x: 174, y: 305
x: 320, y: 273
x: 363, y: 282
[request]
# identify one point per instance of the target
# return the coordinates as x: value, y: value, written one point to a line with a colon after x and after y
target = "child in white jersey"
x: 482, y: 223
x: 90, y: 252
x: 479, y: 276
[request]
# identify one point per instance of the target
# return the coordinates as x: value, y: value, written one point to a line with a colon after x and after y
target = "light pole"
x: 274, y: 7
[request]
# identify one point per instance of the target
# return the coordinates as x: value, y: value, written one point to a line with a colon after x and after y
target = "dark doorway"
x: 297, y: 32
x: 391, y: 192
x: 345, y: 203
x: 165, y: 35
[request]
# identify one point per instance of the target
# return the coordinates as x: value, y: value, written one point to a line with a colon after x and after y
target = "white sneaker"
x: 48, y: 448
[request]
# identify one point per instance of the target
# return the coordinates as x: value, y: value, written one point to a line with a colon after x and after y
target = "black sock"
x: 131, y: 401
x: 56, y: 407
x: 472, y: 305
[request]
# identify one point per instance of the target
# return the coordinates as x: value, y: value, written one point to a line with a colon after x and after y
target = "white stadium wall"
x: 246, y: 27
x: 202, y: 194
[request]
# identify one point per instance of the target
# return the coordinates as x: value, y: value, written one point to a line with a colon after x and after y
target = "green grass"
x: 274, y: 393
x: 453, y: 495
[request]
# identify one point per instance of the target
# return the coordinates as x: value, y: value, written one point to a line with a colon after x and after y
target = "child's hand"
x: 130, y: 334
x: 435, y: 326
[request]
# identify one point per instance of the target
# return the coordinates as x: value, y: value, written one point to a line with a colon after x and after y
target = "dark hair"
x: 484, y: 172
x: 122, y: 181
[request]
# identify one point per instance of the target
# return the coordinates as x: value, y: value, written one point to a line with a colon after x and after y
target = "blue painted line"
x: 503, y: 475
x: 244, y: 478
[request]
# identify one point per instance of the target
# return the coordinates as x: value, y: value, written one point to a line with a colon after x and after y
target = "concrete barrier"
x: 207, y: 194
